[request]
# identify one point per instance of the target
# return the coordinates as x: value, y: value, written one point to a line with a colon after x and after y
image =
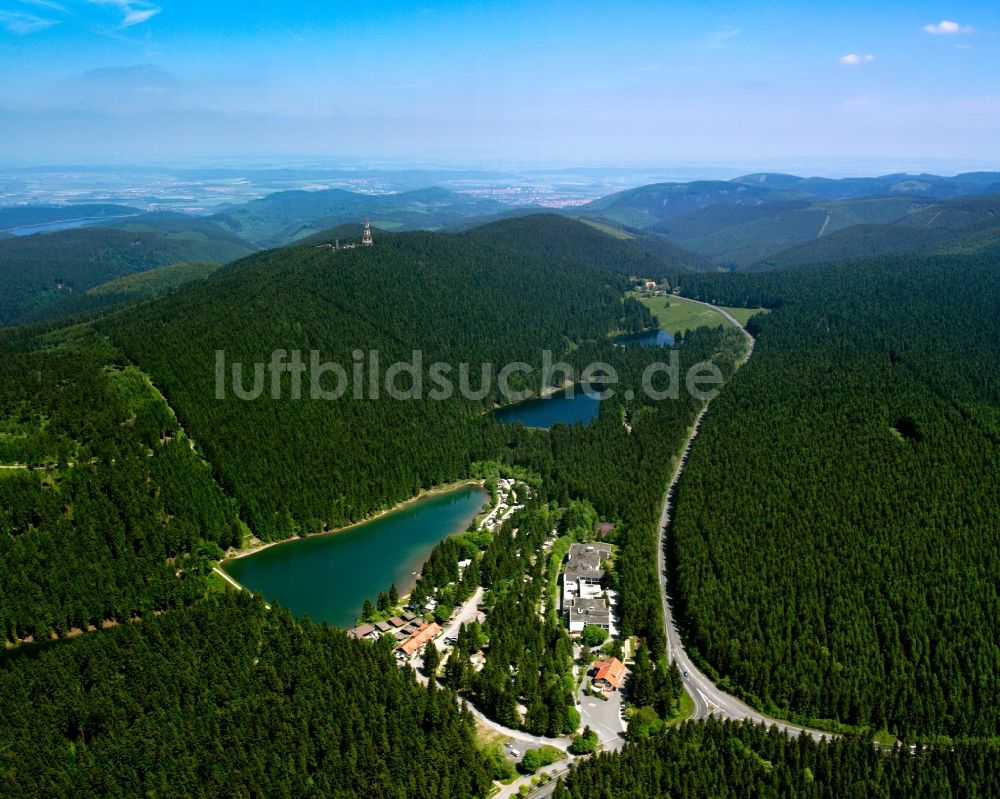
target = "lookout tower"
x: 366, y: 237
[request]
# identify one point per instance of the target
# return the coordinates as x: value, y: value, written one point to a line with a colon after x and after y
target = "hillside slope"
x: 959, y: 226
x: 835, y: 544
x: 38, y: 270
x: 450, y: 297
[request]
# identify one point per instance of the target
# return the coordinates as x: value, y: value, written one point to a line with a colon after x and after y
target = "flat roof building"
x: 588, y: 610
x: 584, y: 561
x: 583, y: 573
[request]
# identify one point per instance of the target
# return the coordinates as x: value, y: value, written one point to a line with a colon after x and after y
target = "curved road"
x: 708, y: 698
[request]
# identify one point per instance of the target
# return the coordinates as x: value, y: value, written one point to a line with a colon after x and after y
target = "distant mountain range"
x: 759, y: 221
x: 767, y: 220
x: 281, y: 218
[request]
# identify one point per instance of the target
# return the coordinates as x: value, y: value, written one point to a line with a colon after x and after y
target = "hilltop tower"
x: 366, y: 238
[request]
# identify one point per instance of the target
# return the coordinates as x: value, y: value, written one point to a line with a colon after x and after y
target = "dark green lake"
x: 562, y: 407
x: 330, y: 576
x: 647, y: 338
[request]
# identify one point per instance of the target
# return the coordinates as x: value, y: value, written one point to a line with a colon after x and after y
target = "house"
x: 407, y: 616
x: 396, y: 622
x: 383, y: 627
x: 363, y: 631
x: 583, y: 573
x: 588, y: 611
x: 610, y: 674
x: 418, y: 640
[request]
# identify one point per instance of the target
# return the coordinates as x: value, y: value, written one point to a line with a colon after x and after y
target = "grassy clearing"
x: 685, y: 710
x: 885, y: 739
x: 488, y: 736
x: 216, y: 584
x: 676, y: 314
x: 742, y: 315
x: 611, y: 230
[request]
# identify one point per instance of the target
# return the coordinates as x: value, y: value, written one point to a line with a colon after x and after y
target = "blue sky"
x: 913, y: 83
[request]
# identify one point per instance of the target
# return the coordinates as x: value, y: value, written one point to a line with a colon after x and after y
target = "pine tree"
x: 432, y: 659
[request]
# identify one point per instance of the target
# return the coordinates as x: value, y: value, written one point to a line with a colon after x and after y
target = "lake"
x: 647, y: 338
x: 66, y: 224
x: 560, y: 407
x: 329, y: 576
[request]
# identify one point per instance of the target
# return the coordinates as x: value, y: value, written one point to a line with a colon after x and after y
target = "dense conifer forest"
x: 832, y: 553
x: 835, y: 547
x: 226, y: 698
x: 114, y: 514
x: 105, y: 511
x: 297, y: 466
x: 726, y: 760
x: 40, y: 270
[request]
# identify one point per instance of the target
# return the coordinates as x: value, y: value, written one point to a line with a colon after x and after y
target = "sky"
x: 474, y: 83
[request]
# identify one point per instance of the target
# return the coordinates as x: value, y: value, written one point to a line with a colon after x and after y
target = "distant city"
x: 201, y: 190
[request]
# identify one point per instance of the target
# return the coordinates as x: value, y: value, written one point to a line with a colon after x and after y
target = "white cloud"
x: 52, y: 6
x: 134, y: 12
x: 21, y: 23
x: 853, y: 59
x: 717, y: 40
x: 947, y: 28
x: 136, y: 16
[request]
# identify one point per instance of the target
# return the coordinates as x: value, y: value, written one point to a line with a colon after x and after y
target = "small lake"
x: 66, y: 224
x: 647, y: 338
x: 568, y: 406
x: 330, y: 576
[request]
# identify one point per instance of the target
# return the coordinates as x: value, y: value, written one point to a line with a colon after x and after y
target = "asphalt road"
x: 708, y: 698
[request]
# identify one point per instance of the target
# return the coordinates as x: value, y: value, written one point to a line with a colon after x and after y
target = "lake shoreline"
x: 255, y: 545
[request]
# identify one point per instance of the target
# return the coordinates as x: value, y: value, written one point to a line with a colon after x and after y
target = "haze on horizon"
x: 755, y: 83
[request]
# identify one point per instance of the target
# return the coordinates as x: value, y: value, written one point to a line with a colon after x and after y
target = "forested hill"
x: 837, y: 536
x: 38, y: 271
x: 300, y: 465
x: 557, y: 239
x: 762, y: 224
x: 229, y: 699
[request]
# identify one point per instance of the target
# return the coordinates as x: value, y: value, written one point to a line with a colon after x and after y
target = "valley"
x: 219, y: 472
x: 499, y: 400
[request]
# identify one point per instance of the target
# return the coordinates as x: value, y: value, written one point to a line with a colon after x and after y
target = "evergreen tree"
x: 432, y: 659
